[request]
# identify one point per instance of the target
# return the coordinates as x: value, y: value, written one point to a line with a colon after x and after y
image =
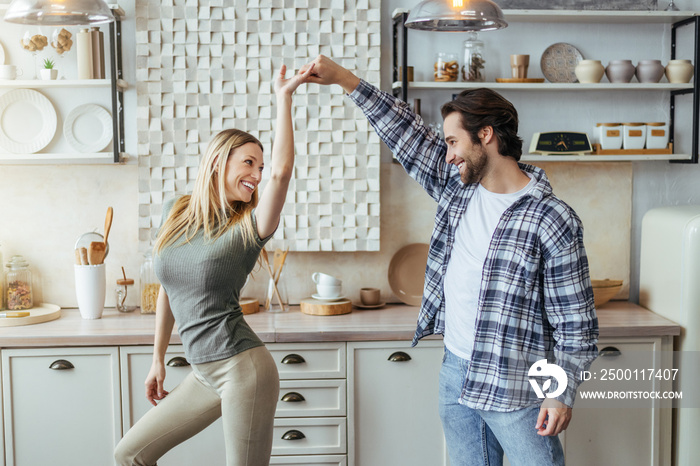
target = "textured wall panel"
x: 204, y: 66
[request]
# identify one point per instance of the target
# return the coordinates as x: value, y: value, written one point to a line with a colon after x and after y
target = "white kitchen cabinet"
x: 135, y: 364
x: 393, y: 404
x: 623, y: 436
x: 317, y: 460
x: 61, y: 406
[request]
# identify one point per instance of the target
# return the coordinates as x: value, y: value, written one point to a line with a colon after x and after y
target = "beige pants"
x: 243, y: 389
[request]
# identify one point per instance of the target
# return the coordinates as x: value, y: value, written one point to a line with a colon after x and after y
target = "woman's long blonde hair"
x: 207, y: 207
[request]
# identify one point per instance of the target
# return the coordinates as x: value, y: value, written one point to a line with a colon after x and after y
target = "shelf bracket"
x: 695, y: 91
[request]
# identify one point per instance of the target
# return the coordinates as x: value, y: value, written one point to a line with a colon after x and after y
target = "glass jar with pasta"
x: 150, y: 286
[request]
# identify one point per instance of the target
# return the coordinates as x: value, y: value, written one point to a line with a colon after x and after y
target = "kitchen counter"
x: 393, y: 322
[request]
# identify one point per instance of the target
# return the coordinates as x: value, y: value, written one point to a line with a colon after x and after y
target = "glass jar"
x: 18, y: 284
x: 446, y: 67
x: 473, y: 68
x: 150, y: 286
x: 121, y: 293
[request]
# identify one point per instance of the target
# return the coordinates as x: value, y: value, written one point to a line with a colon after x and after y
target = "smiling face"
x: 243, y: 172
x: 469, y: 157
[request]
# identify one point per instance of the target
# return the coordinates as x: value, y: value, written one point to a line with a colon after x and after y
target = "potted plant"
x: 48, y: 72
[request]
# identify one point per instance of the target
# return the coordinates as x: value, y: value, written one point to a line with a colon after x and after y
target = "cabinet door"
x: 61, y: 406
x: 135, y: 364
x: 625, y: 435
x: 393, y: 405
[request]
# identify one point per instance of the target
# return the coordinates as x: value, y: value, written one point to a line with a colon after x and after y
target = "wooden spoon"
x: 97, y: 249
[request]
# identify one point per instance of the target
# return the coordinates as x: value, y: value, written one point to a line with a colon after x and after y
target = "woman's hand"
x: 326, y: 72
x: 154, y: 383
x: 286, y: 87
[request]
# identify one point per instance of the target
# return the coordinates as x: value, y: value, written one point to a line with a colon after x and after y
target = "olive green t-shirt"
x: 203, y: 280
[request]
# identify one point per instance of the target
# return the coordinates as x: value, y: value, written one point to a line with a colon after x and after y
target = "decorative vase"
x: 649, y: 71
x: 48, y: 74
x: 620, y: 71
x: 679, y: 71
x: 589, y: 71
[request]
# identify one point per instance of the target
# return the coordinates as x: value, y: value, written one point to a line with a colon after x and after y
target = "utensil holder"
x: 90, y: 289
x: 271, y: 297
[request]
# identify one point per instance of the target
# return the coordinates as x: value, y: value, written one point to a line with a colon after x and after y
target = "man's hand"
x: 326, y: 72
x: 554, y: 417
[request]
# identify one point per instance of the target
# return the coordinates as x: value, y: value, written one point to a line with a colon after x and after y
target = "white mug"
x: 10, y: 71
x: 325, y: 279
x: 329, y: 291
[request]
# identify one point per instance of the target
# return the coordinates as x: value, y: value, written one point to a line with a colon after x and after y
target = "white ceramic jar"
x: 609, y: 135
x: 589, y: 71
x: 679, y: 71
x: 634, y: 135
x: 657, y: 135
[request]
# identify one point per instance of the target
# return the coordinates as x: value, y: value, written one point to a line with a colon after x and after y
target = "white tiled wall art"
x: 204, y: 66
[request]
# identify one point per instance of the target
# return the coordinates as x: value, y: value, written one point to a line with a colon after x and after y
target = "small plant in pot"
x: 48, y: 72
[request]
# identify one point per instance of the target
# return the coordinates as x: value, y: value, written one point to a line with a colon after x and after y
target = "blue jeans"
x: 475, y: 437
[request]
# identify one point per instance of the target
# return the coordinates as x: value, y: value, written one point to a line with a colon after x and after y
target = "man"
x: 507, y: 280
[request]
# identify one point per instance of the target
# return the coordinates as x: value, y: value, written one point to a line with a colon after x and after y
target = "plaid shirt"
x: 535, y: 301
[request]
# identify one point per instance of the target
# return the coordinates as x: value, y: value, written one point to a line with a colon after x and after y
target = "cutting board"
x: 249, y: 305
x: 315, y: 307
x: 43, y: 312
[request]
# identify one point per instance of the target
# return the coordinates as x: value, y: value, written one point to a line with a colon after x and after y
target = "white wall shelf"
x: 42, y: 84
x: 57, y: 158
x: 603, y: 158
x: 460, y: 85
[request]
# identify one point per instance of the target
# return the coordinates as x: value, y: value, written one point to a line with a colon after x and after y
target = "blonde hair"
x: 207, y: 207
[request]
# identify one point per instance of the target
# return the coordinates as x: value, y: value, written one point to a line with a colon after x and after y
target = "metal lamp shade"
x: 456, y: 15
x: 58, y: 12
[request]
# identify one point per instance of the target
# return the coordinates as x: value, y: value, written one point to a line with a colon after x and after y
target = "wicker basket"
x: 605, y: 290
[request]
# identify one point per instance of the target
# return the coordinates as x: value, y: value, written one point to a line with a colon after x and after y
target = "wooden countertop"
x: 393, y: 322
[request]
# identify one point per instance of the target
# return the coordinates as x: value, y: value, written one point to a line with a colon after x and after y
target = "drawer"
x: 334, y: 460
x: 309, y: 360
x: 316, y: 436
x: 312, y: 398
x: 619, y: 356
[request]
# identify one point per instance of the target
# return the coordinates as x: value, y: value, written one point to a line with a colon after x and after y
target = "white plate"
x: 320, y: 298
x: 27, y: 121
x: 2, y: 55
x: 88, y: 128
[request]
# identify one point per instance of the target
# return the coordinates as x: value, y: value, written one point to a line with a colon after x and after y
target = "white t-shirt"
x: 464, y: 270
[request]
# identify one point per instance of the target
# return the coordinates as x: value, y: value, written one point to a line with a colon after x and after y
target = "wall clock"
x: 560, y: 143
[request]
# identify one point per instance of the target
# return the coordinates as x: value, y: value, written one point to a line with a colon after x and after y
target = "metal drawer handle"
x: 399, y: 356
x: 293, y: 359
x: 61, y: 365
x: 293, y: 435
x: 178, y: 361
x: 610, y: 352
x: 293, y: 397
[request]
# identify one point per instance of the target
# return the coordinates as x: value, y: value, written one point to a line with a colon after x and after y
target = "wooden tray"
x: 598, y: 151
x: 249, y: 305
x: 315, y: 307
x: 519, y: 80
x: 43, y: 312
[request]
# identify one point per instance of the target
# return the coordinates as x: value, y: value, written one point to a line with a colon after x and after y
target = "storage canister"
x: 679, y: 71
x: 446, y: 67
x: 473, y: 67
x: 150, y: 286
x: 18, y: 284
x: 85, y: 58
x: 98, y: 53
x: 634, y: 135
x: 657, y: 135
x: 609, y: 135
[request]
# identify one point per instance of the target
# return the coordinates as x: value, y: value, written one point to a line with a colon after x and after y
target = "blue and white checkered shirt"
x: 536, y: 300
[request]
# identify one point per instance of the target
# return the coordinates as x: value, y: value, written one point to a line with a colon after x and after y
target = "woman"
x: 205, y: 249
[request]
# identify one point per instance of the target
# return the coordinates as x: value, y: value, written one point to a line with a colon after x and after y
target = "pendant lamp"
x: 456, y: 15
x: 59, y: 12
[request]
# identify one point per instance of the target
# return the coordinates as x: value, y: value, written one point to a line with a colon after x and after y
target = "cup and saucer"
x: 369, y: 299
x: 318, y: 297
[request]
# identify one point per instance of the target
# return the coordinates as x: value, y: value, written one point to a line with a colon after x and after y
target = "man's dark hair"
x: 483, y: 107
